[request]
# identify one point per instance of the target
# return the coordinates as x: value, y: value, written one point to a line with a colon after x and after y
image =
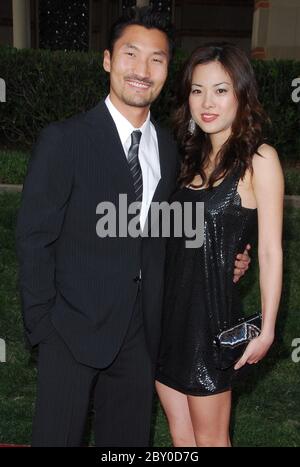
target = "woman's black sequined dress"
x: 200, y: 296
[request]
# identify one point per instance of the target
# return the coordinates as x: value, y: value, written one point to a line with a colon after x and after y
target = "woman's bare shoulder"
x: 265, y: 151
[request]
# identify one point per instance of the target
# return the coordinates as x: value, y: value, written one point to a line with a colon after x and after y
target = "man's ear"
x: 106, y: 60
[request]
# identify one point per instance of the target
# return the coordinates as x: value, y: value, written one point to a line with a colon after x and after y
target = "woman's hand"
x: 255, y: 350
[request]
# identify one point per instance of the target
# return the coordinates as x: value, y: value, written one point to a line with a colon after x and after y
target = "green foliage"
x: 13, y: 166
x: 274, y: 80
x: 292, y: 181
x: 45, y: 86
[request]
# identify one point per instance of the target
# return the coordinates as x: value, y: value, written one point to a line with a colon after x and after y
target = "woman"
x: 226, y: 165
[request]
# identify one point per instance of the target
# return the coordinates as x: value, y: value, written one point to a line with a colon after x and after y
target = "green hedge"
x: 275, y: 84
x: 292, y: 181
x: 44, y: 86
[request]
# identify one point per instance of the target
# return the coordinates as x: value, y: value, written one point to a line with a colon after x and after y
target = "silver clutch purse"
x: 231, y: 342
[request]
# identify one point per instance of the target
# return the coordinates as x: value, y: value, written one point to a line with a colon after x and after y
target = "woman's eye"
x: 221, y: 91
x: 196, y: 91
x: 131, y: 54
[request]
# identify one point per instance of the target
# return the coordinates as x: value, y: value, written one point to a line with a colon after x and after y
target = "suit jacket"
x: 70, y: 278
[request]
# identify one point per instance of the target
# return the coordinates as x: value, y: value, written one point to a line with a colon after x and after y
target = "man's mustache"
x: 138, y: 78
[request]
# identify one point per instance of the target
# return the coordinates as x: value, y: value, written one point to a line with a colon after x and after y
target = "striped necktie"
x: 134, y: 164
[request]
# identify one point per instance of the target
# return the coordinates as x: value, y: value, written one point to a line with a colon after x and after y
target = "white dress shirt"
x: 148, y: 154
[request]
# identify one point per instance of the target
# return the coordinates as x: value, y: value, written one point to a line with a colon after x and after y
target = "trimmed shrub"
x: 44, y: 86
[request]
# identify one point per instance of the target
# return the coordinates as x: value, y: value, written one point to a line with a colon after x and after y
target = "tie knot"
x: 136, y: 137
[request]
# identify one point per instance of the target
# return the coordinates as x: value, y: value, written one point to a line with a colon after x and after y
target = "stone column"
x: 260, y: 29
x: 2, y: 90
x: 276, y: 29
x: 21, y: 23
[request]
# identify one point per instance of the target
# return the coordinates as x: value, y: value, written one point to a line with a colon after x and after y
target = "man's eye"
x: 131, y: 54
x: 157, y: 60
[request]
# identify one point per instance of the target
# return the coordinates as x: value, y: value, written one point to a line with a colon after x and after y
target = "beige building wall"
x: 273, y: 33
x: 276, y: 29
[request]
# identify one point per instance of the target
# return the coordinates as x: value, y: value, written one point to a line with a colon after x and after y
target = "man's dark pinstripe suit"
x: 81, y: 297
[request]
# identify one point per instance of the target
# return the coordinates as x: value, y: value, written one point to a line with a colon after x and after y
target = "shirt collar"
x: 124, y: 127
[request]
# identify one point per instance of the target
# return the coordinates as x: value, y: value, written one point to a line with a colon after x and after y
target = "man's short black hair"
x: 146, y: 17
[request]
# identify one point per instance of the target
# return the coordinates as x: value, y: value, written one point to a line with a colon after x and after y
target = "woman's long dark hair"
x: 247, y: 133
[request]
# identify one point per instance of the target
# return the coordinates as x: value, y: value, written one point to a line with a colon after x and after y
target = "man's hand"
x: 241, y: 264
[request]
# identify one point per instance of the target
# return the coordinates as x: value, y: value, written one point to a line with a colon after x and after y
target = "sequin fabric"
x: 200, y: 296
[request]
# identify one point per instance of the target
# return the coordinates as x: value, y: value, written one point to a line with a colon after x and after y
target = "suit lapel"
x: 105, y: 137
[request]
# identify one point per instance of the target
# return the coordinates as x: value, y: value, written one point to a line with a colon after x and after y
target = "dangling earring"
x: 192, y: 126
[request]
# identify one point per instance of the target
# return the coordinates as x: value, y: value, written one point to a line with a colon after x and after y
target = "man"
x: 93, y: 304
